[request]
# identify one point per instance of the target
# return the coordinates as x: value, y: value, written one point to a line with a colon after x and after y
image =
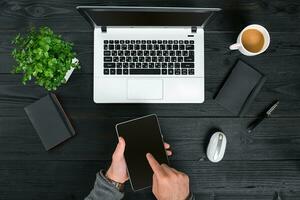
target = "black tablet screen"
x: 142, y: 135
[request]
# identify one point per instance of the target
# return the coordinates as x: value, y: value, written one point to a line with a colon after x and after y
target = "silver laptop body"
x: 148, y: 54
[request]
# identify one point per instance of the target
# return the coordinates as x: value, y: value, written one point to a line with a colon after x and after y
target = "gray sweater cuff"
x: 103, y: 189
x: 192, y: 197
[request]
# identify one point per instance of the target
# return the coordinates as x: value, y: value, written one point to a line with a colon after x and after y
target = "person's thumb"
x: 119, y: 152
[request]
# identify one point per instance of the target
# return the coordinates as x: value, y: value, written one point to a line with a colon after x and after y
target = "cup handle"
x: 235, y: 46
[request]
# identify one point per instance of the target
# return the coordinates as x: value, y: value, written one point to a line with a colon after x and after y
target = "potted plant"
x: 44, y: 57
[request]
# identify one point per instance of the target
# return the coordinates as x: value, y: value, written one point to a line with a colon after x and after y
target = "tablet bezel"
x: 162, y: 139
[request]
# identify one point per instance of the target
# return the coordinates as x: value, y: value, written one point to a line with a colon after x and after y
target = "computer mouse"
x: 216, y: 147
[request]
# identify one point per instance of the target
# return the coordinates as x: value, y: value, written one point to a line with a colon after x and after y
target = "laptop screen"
x: 135, y: 16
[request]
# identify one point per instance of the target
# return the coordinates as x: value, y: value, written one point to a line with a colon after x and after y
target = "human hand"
x: 118, y: 168
x: 168, y: 183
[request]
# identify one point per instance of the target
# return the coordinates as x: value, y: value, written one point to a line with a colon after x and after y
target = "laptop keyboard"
x: 149, y: 57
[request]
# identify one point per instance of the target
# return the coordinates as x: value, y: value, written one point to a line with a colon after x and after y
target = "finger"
x: 119, y: 151
x: 166, y: 145
x: 166, y: 169
x: 154, y: 184
x: 174, y: 170
x: 169, y: 153
x: 155, y: 166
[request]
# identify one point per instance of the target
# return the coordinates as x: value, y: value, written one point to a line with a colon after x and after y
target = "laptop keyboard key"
x: 157, y: 65
x: 128, y: 59
x: 106, y: 71
x: 140, y: 53
x: 189, y: 47
x: 151, y: 65
x: 148, y: 59
x: 133, y: 53
x: 106, y: 53
x: 145, y: 65
x: 121, y: 59
x: 145, y: 71
x: 109, y: 65
x: 125, y: 65
x: 119, y: 71
x: 107, y: 59
x: 116, y: 59
x: 187, y: 65
x: 114, y: 53
x: 132, y: 65
x: 119, y: 65
x: 146, y: 53
x: 112, y: 71
x: 188, y: 59
x: 138, y: 65
x: 191, y: 71
x: 111, y: 47
x: 170, y: 71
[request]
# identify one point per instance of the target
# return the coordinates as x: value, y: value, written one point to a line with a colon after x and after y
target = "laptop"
x: 148, y: 54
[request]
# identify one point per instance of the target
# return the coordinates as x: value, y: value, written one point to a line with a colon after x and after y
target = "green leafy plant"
x: 43, y: 56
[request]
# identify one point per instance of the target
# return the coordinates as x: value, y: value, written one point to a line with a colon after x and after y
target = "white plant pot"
x: 69, y: 73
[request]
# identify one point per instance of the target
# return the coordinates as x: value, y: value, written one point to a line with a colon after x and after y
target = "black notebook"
x: 240, y: 89
x: 50, y: 121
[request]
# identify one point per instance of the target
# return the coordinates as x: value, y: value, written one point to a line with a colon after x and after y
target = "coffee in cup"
x: 253, y: 40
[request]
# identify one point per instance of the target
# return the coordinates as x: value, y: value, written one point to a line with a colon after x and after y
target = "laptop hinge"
x: 104, y: 29
x: 194, y: 29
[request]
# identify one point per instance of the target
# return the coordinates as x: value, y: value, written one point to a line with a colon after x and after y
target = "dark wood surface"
x: 255, y: 167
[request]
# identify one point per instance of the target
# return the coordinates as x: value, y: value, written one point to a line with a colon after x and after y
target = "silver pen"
x: 256, y: 122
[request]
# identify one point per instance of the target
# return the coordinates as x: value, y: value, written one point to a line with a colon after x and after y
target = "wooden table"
x: 255, y: 166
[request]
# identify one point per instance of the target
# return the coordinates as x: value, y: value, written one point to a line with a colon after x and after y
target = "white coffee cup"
x: 239, y: 45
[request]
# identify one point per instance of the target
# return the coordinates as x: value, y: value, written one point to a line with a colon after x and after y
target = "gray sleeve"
x: 103, y: 189
x: 192, y: 197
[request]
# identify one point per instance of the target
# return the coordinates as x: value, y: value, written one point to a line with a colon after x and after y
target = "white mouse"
x: 216, y: 147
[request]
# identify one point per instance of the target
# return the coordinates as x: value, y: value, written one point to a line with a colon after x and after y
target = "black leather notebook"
x: 50, y: 121
x: 240, y: 88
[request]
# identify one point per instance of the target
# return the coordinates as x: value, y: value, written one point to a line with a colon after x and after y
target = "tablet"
x: 142, y: 136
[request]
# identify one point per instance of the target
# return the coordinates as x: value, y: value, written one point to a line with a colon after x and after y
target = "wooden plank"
x: 276, y: 139
x: 242, y: 195
x: 61, y: 15
x: 77, y: 99
x: 227, y: 180
x: 217, y: 57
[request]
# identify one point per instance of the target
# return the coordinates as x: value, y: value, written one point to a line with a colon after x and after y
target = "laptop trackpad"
x: 145, y: 89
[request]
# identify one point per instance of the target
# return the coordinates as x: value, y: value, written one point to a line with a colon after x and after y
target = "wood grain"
x: 62, y: 15
x: 275, y: 139
x: 254, y: 167
x: 14, y: 97
x: 73, y: 179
